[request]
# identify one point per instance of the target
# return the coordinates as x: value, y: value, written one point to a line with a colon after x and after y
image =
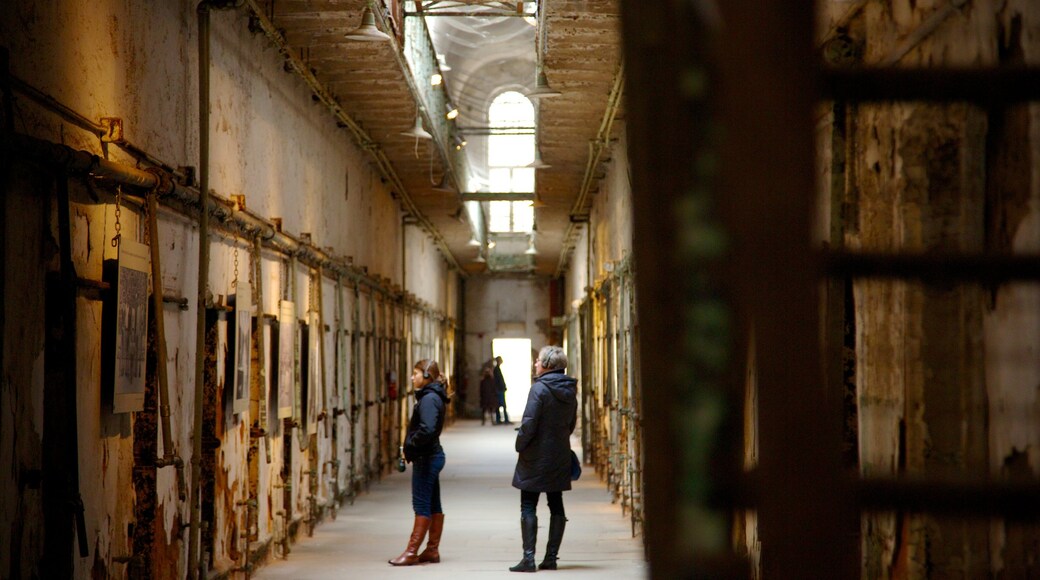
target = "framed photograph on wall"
x: 286, y: 358
x: 314, y: 402
x: 268, y: 380
x: 341, y: 368
x: 302, y: 394
x: 243, y: 355
x: 128, y: 324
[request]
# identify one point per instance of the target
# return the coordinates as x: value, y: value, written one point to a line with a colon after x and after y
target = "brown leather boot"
x: 431, y: 553
x: 409, y: 557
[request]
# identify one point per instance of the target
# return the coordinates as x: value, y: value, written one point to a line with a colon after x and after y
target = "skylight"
x: 508, y: 158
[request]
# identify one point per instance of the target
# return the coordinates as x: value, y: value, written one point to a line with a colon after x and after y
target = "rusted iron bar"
x: 1015, y: 501
x: 180, y: 301
x: 60, y: 459
x: 672, y: 122
x: 195, y: 537
x: 984, y: 86
x: 769, y: 93
x: 933, y: 267
x: 5, y: 166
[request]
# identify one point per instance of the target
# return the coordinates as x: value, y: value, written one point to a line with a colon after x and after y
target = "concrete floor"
x: 481, y: 525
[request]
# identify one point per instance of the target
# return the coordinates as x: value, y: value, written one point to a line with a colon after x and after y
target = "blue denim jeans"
x: 529, y: 503
x: 426, y: 484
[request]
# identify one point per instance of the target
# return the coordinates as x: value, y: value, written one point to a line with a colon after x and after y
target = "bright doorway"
x: 516, y: 369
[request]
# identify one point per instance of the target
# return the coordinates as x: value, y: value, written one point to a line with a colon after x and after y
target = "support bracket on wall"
x: 113, y: 130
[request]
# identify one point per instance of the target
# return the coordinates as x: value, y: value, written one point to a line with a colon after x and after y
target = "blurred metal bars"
x: 687, y: 331
x: 933, y: 267
x: 983, y: 86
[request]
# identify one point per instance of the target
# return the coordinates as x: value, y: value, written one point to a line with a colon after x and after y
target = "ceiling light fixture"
x: 443, y: 185
x: 436, y: 79
x: 541, y: 89
x: 453, y: 111
x: 368, y: 30
x: 417, y: 131
x: 473, y: 241
x: 531, y: 251
x: 538, y: 163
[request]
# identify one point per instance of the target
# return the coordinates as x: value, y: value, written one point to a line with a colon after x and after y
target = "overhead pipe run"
x: 596, y: 147
x: 101, y: 131
x: 242, y: 221
x: 260, y: 22
x: 228, y: 219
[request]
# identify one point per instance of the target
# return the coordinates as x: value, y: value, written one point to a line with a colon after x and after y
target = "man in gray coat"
x: 544, y: 464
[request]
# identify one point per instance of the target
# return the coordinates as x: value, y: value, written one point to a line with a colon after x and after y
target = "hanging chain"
x: 234, y: 282
x: 119, y: 227
x: 312, y: 293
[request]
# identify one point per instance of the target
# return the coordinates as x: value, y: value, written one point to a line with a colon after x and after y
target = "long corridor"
x: 481, y: 530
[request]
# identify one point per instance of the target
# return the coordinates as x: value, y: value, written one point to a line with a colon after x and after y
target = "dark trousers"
x: 426, y: 484
x: 529, y: 502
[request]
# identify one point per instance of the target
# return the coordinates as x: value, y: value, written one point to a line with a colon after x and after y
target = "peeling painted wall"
x: 137, y: 60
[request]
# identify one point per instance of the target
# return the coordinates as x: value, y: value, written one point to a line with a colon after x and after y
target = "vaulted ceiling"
x: 371, y: 84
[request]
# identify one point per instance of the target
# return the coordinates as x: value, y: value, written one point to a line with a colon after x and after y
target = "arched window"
x: 510, y: 151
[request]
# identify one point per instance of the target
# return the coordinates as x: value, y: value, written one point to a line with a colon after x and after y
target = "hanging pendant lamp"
x: 538, y: 163
x: 542, y: 90
x: 368, y: 30
x: 417, y: 131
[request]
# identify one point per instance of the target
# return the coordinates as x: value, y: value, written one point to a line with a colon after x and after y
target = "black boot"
x: 529, y: 531
x: 552, y: 547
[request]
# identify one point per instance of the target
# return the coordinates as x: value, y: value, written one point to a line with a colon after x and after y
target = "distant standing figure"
x: 544, y: 464
x: 500, y: 391
x: 488, y: 398
x: 422, y: 447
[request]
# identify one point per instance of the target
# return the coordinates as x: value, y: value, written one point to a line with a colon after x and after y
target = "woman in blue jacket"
x: 544, y: 464
x: 422, y: 447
